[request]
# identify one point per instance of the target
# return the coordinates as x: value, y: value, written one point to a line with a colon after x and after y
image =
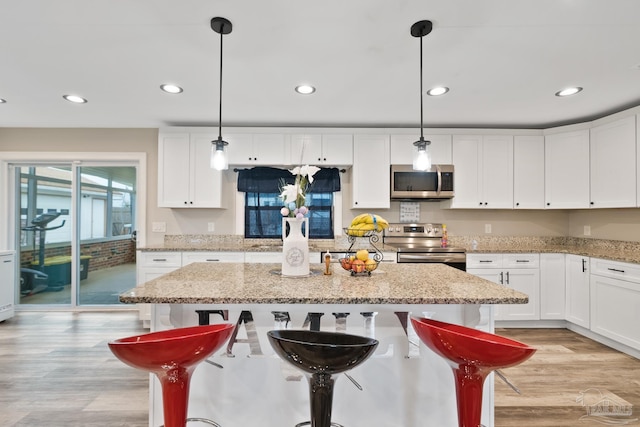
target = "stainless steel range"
x: 423, y: 243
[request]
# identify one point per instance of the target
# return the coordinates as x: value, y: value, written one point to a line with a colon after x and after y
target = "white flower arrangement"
x: 294, y: 195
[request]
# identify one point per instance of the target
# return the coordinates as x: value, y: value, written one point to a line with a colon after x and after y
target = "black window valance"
x: 269, y: 180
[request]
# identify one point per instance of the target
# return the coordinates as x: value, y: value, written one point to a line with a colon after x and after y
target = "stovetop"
x: 417, y: 238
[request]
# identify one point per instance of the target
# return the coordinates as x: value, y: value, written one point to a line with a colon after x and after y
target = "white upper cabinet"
x: 402, y: 149
x: 528, y: 172
x: 324, y: 150
x: 483, y: 171
x: 613, y: 164
x: 566, y: 160
x: 185, y: 178
x: 371, y: 172
x: 259, y: 149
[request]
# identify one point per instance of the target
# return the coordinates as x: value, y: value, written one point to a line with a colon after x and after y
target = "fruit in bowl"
x: 358, y: 266
x: 345, y: 263
x: 370, y: 264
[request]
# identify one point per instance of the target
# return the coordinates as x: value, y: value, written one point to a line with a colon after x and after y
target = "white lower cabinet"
x: 517, y: 271
x: 552, y: 286
x: 577, y: 302
x: 268, y: 257
x: 7, y: 284
x: 191, y: 257
x: 615, y: 301
x: 149, y: 266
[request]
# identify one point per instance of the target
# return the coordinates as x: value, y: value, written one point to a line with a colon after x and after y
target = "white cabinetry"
x: 257, y: 149
x: 552, y: 286
x: 371, y: 172
x: 577, y: 290
x: 528, y: 172
x: 517, y: 271
x: 402, y: 149
x: 484, y: 171
x: 613, y: 164
x: 185, y: 178
x: 321, y: 150
x: 567, y: 170
x: 149, y: 266
x: 615, y: 301
x: 191, y: 257
x: 7, y: 284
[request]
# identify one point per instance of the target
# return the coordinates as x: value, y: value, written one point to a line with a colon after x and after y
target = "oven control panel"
x: 413, y: 230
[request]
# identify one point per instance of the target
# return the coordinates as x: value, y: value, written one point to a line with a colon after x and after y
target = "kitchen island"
x: 403, y: 384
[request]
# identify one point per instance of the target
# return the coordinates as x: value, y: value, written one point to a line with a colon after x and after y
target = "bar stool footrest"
x: 308, y: 423
x: 202, y: 420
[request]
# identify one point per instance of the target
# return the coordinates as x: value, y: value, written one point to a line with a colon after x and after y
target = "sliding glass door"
x: 75, y: 225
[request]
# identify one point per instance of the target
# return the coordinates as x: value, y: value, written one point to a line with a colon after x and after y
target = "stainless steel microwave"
x: 408, y: 184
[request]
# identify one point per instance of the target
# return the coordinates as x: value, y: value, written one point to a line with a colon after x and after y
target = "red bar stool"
x: 322, y: 356
x: 173, y: 355
x: 473, y: 355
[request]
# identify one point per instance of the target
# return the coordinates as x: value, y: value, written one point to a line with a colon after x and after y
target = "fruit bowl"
x: 359, y: 267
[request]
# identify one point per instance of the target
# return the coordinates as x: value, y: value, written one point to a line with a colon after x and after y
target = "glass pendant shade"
x: 219, y: 159
x: 422, y: 158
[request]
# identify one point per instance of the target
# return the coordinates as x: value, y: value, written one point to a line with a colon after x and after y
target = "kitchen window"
x: 262, y: 218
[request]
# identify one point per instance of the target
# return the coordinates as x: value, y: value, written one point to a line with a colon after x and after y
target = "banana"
x: 366, y: 222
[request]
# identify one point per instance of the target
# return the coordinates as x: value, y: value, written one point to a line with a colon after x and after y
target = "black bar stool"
x: 321, y: 356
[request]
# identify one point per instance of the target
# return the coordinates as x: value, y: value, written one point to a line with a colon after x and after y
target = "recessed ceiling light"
x: 305, y: 89
x: 569, y: 91
x: 437, y: 91
x: 169, y: 88
x: 75, y: 99
x: 2, y: 101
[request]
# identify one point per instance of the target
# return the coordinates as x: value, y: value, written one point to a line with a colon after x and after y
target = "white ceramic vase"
x: 295, y: 247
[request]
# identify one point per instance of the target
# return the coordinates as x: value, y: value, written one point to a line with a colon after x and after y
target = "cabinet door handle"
x: 584, y: 265
x: 212, y: 260
x: 6, y: 261
x: 522, y: 260
x: 502, y: 278
x: 159, y: 259
x: 507, y: 277
x: 616, y: 270
x: 485, y: 260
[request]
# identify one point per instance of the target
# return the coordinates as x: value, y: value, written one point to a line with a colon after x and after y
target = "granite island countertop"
x: 244, y: 283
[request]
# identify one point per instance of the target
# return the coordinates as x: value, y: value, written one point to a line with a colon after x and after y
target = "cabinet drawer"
x: 521, y: 260
x: 484, y: 261
x: 190, y: 257
x: 615, y: 269
x: 160, y: 259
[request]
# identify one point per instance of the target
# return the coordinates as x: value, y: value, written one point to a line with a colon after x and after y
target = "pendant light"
x: 422, y: 155
x: 219, y: 159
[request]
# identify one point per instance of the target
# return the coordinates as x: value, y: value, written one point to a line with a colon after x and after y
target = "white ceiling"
x: 502, y: 59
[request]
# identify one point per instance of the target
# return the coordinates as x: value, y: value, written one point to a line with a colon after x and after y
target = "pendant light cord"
x: 220, y: 97
x: 421, y: 102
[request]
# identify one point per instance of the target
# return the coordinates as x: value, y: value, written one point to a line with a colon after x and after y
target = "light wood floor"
x: 56, y: 370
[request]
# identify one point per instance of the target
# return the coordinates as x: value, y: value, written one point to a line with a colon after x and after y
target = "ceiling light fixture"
x: 422, y: 156
x: 2, y: 101
x: 305, y: 89
x: 219, y: 159
x: 75, y: 99
x: 437, y: 91
x: 569, y: 91
x: 169, y: 88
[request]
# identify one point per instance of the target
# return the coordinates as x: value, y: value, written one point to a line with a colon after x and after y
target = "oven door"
x: 456, y: 260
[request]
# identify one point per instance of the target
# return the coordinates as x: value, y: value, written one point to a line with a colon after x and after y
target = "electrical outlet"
x: 159, y: 227
x: 211, y: 226
x: 487, y: 228
x: 587, y: 230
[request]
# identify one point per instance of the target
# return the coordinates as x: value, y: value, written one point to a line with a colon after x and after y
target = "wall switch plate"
x: 211, y: 226
x: 487, y: 228
x: 159, y: 227
x: 587, y: 230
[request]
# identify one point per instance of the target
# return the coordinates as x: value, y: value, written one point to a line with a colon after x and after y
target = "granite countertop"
x: 243, y: 283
